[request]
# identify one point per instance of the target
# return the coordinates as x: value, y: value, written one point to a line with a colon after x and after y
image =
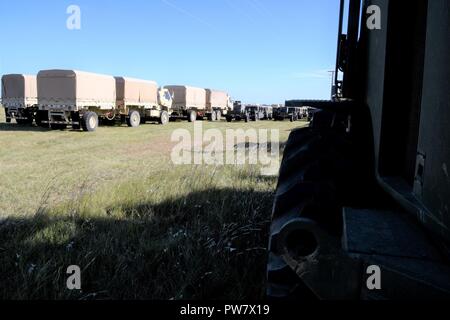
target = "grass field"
x: 139, y: 227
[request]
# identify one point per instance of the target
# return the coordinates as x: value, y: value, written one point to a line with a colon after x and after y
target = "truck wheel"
x: 89, y: 122
x: 134, y: 119
x: 213, y: 116
x: 219, y: 115
x: 192, y: 116
x: 229, y: 119
x: 164, y: 118
x: 323, y: 170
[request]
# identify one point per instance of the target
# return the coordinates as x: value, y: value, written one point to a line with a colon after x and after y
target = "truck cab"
x: 165, y: 99
x: 237, y: 113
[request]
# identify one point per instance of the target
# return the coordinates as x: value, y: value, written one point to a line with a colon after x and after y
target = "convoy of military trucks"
x: 57, y: 99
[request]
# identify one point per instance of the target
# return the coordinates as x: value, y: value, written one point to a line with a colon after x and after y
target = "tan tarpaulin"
x: 19, y: 90
x: 216, y: 99
x: 188, y: 97
x: 76, y: 88
x: 135, y: 92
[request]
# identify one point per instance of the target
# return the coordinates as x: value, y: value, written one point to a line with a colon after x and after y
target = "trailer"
x: 218, y: 103
x: 19, y: 98
x: 142, y: 101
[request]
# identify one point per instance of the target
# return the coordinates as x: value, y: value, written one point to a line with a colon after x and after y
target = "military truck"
x: 255, y: 113
x: 268, y: 112
x: 19, y: 98
x: 81, y: 99
x: 238, y: 113
x: 291, y: 113
x: 361, y: 209
x: 142, y: 100
x: 305, y: 111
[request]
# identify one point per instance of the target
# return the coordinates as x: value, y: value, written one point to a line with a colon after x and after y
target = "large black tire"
x: 323, y: 169
x: 192, y: 116
x: 229, y: 119
x: 164, y: 118
x: 89, y: 122
x: 133, y: 119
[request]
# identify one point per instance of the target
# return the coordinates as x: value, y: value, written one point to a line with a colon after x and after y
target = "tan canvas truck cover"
x: 185, y: 97
x: 216, y: 99
x: 135, y: 92
x: 19, y: 91
x: 72, y: 90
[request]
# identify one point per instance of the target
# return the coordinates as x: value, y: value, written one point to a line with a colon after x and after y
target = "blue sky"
x: 260, y: 51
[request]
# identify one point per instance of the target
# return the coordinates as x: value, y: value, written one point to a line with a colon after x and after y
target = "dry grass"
x: 139, y: 227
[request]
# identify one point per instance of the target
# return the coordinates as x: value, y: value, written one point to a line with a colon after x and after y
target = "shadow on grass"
x: 208, y: 245
x: 13, y: 127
